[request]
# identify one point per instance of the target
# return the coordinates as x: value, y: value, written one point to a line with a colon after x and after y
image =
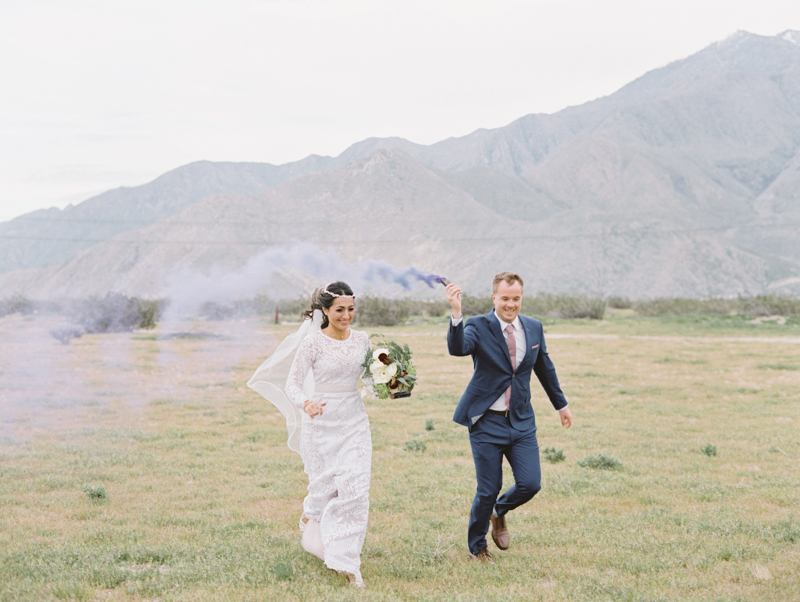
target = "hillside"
x: 684, y: 182
x: 389, y: 206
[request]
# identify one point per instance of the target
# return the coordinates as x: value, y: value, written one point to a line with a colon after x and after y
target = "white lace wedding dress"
x: 337, y: 446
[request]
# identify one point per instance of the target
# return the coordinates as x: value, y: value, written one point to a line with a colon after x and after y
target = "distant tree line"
x: 754, y: 307
x: 118, y: 313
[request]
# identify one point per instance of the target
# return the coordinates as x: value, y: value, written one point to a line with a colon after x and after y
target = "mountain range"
x: 685, y: 182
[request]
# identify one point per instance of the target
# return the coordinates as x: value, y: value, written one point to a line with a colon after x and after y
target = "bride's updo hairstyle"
x: 324, y: 297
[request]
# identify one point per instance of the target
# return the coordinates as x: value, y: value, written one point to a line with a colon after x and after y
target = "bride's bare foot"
x: 303, y: 522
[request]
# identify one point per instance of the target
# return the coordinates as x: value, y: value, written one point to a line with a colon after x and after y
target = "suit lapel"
x: 497, y: 331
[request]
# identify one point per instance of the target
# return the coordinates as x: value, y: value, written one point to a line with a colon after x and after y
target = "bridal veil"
x: 282, y: 357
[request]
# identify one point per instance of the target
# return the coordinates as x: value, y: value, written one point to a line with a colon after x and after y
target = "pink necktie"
x: 512, y: 351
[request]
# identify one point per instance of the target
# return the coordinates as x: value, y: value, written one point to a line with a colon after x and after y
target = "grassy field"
x: 138, y: 466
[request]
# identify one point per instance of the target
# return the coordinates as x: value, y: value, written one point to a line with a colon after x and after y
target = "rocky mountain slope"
x: 684, y: 182
x: 388, y: 206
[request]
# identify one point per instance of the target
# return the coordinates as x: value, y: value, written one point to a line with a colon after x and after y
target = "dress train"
x: 312, y: 538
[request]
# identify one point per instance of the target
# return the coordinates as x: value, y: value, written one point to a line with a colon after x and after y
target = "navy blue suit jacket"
x: 482, y: 338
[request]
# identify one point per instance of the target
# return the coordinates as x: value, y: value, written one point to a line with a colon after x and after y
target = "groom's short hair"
x: 509, y: 277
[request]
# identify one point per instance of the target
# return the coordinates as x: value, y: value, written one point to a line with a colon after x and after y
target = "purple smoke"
x: 304, y: 264
x: 405, y: 277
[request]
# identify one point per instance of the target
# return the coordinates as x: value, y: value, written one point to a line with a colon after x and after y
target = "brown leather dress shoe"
x: 482, y: 556
x: 500, y: 532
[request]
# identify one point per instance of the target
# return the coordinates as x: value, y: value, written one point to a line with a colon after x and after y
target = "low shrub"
x: 66, y: 333
x: 150, y: 311
x: 565, y: 306
x: 600, y: 462
x: 581, y: 306
x: 415, y: 446
x: 475, y: 306
x: 709, y: 450
x: 293, y: 308
x: 370, y: 311
x: 283, y: 570
x: 543, y: 304
x: 619, y: 302
x: 374, y: 311
x: 96, y: 493
x: 553, y: 455
x: 757, y: 306
x: 677, y: 307
x: 433, y: 309
x: 768, y: 305
x: 114, y: 313
x: 16, y: 304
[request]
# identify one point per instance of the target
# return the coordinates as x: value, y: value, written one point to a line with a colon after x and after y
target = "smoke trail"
x: 40, y: 380
x: 405, y: 277
x: 189, y: 289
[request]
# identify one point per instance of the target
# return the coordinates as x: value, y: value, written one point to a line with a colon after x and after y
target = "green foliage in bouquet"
x: 390, y: 368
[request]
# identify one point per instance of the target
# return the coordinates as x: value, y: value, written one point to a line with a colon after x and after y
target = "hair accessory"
x: 327, y: 292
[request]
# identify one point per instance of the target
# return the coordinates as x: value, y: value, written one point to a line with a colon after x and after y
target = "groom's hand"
x: 566, y: 417
x: 454, y: 298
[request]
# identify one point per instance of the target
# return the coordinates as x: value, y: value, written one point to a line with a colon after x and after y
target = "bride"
x: 328, y: 426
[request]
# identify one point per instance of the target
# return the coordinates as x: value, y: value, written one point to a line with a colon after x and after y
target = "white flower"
x: 382, y: 374
x: 377, y: 353
x: 379, y: 373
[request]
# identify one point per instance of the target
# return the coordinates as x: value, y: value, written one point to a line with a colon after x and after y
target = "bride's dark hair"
x: 322, y: 298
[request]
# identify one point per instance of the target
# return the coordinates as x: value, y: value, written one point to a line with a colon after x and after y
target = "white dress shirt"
x: 519, y: 336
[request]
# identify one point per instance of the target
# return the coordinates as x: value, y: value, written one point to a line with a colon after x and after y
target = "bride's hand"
x: 313, y: 408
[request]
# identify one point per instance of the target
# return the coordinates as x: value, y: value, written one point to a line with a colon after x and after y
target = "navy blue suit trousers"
x: 491, y: 439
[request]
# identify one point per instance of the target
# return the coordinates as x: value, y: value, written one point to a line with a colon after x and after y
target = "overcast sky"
x: 101, y: 94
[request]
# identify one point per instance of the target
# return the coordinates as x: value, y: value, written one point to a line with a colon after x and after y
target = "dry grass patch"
x: 202, y: 496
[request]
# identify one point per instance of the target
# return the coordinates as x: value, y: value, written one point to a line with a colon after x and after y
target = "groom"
x: 496, y: 407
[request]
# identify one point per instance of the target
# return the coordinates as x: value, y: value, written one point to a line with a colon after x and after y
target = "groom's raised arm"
x: 461, y: 339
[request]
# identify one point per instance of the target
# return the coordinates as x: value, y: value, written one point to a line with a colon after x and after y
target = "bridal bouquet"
x: 390, y: 368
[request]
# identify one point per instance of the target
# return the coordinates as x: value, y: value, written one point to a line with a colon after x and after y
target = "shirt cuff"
x: 455, y: 322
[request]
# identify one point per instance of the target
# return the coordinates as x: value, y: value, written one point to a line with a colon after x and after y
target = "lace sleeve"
x: 303, y: 360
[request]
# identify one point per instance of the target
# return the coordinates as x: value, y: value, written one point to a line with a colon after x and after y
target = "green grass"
x: 201, y: 495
